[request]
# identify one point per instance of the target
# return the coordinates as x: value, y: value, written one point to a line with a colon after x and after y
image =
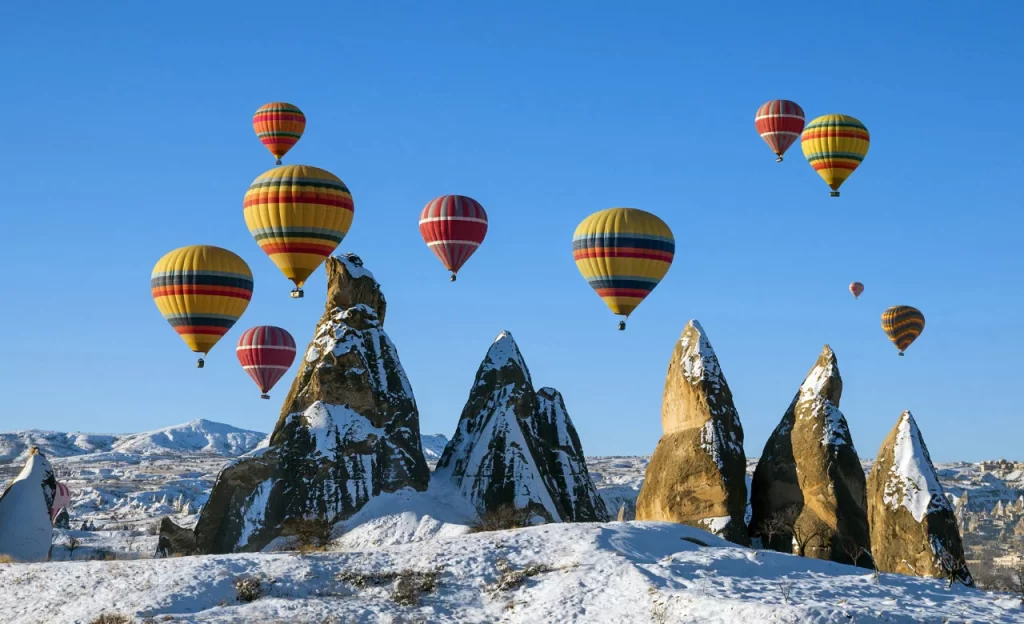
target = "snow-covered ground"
x: 610, y: 572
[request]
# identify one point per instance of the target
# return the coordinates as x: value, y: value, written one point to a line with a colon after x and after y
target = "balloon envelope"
x: 903, y: 324
x: 453, y: 226
x: 298, y: 215
x: 856, y: 288
x: 623, y: 253
x: 279, y: 126
x: 265, y: 353
x: 201, y: 290
x: 779, y: 122
x: 835, y: 145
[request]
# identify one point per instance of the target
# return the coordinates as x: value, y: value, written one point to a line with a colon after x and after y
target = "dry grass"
x: 112, y: 618
x: 511, y: 579
x: 248, y: 588
x: 502, y: 518
x: 7, y: 559
x: 312, y: 534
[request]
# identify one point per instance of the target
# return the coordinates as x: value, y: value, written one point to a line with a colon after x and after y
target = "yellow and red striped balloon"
x: 623, y: 253
x: 902, y: 324
x: 279, y: 125
x: 201, y: 290
x: 299, y: 215
x: 835, y: 145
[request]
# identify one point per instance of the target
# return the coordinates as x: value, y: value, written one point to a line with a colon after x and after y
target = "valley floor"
x: 617, y: 572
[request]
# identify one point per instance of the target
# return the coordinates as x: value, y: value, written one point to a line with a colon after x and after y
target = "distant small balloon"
x: 856, y: 288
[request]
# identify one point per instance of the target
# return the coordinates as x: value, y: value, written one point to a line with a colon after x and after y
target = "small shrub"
x: 409, y: 586
x: 112, y: 618
x: 71, y: 544
x: 7, y: 559
x: 312, y: 533
x: 248, y: 588
x: 511, y: 579
x: 103, y: 554
x: 502, y: 518
x: 785, y: 588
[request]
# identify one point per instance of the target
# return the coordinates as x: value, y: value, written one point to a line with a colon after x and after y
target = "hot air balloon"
x: 299, y: 215
x: 856, y: 288
x: 779, y: 122
x: 201, y: 290
x: 61, y: 499
x: 623, y: 253
x: 453, y: 226
x: 279, y: 125
x: 835, y: 145
x: 265, y: 352
x: 903, y: 324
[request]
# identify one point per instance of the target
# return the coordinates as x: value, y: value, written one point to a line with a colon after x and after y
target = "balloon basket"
x: 201, y: 363
x: 452, y: 278
x: 901, y: 354
x: 297, y: 294
x: 779, y: 159
x: 264, y: 396
x: 278, y: 161
x: 622, y: 325
x: 834, y: 194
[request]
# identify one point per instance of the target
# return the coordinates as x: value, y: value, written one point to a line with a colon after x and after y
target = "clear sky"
x: 127, y: 133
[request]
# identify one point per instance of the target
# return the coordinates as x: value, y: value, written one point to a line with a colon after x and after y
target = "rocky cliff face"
x: 25, y: 528
x: 515, y: 446
x: 913, y: 526
x: 808, y: 494
x: 348, y: 431
x: 697, y: 474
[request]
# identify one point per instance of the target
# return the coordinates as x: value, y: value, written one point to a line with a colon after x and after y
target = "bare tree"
x: 779, y: 524
x: 810, y: 531
x: 71, y: 543
x: 955, y: 569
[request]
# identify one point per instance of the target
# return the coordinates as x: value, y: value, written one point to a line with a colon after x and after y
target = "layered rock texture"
x: 517, y: 446
x: 913, y: 526
x: 25, y: 527
x: 349, y: 430
x: 697, y: 474
x: 809, y: 493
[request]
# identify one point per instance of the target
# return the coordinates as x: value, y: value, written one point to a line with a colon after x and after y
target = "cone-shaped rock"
x: 913, y: 526
x: 560, y: 456
x: 809, y: 493
x: 25, y: 528
x: 697, y: 474
x: 513, y: 447
x: 348, y: 431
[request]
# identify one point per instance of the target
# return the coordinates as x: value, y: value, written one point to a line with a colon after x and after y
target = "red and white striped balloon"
x: 779, y: 122
x: 265, y: 352
x: 61, y: 499
x: 453, y: 226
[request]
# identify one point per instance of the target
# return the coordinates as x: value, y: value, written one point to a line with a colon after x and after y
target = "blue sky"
x: 128, y: 133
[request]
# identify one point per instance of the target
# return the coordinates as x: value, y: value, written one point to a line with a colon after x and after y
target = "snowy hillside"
x: 14, y: 446
x: 433, y: 446
x: 612, y: 572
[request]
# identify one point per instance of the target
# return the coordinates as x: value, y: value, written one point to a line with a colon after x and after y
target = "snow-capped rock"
x: 349, y: 429
x: 433, y: 446
x: 809, y: 491
x: 697, y: 475
x: 512, y: 447
x: 913, y: 526
x: 25, y: 525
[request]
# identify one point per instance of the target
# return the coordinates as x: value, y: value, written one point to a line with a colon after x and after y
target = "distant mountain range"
x: 197, y: 436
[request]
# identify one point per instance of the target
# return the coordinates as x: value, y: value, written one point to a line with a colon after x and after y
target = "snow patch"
x: 912, y: 481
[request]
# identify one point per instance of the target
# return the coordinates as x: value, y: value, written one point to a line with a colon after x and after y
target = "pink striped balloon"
x: 265, y: 352
x: 61, y: 499
x: 453, y: 226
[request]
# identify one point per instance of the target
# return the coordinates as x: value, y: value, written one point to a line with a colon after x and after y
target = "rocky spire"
x: 913, y: 526
x: 516, y: 446
x: 348, y: 431
x: 808, y: 493
x: 697, y: 474
x: 25, y: 526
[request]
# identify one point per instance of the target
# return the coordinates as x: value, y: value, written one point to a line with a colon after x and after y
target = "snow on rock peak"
x: 348, y: 430
x: 25, y: 527
x: 913, y: 483
x: 697, y: 474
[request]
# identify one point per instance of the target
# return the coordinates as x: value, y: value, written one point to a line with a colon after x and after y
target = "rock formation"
x: 348, y: 431
x: 697, y: 474
x: 516, y: 446
x: 26, y: 531
x: 809, y: 493
x: 913, y: 526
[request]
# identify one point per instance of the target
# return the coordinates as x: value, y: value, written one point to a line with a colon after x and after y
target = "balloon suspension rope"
x: 297, y: 293
x: 452, y: 278
x: 201, y: 363
x: 264, y: 396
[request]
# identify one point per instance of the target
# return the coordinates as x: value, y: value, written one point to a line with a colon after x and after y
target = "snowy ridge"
x: 433, y: 446
x: 354, y: 266
x: 912, y: 482
x: 503, y: 352
x: 698, y: 358
x: 197, y: 436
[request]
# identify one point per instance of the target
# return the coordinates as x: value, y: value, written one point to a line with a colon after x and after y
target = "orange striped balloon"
x: 279, y: 125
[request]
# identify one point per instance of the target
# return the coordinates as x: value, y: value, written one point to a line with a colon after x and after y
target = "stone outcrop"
x: 348, y: 431
x: 517, y: 446
x: 697, y: 474
x: 26, y: 531
x: 913, y: 526
x: 809, y: 493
